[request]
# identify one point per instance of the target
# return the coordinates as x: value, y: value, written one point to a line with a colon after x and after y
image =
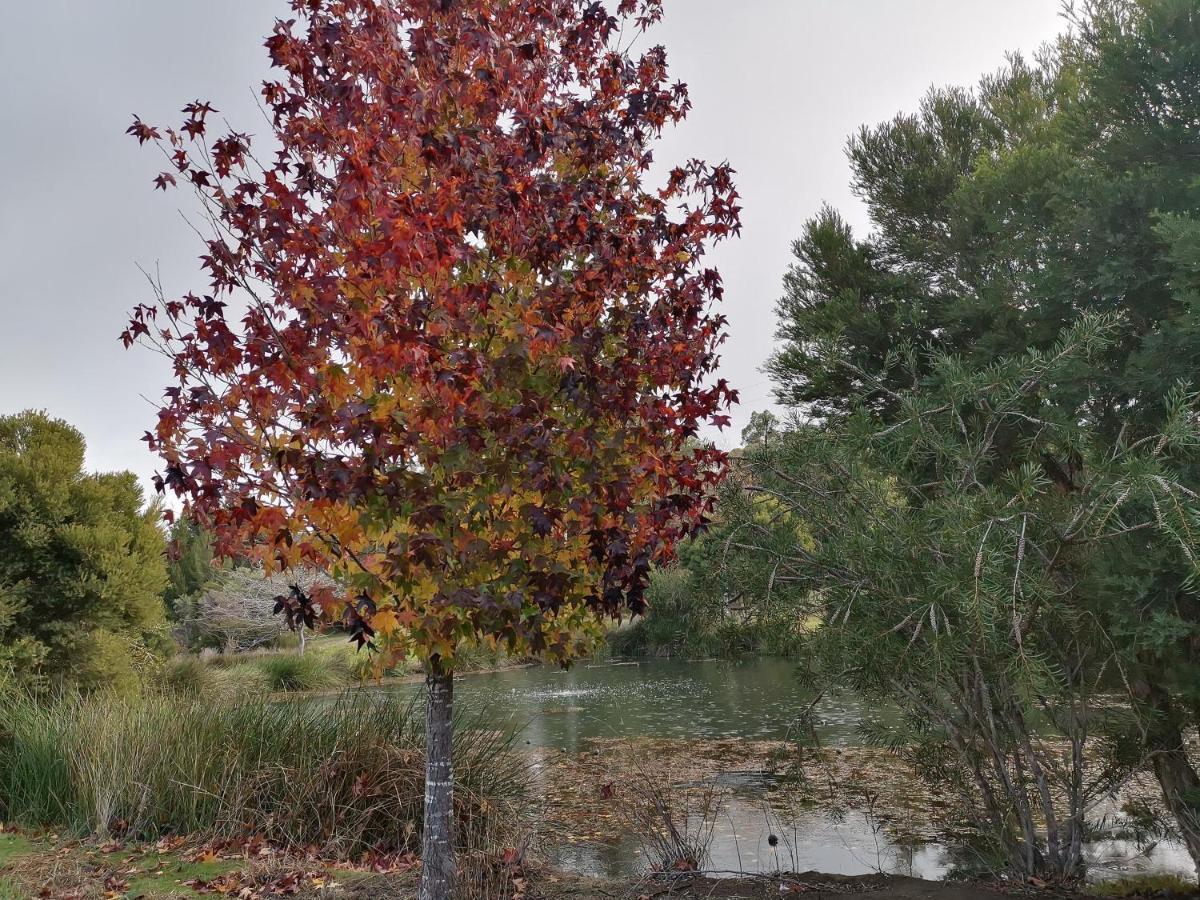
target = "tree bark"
x: 437, y: 854
x: 1174, y: 770
x: 1180, y: 788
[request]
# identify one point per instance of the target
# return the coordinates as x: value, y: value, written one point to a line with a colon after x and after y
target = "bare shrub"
x: 674, y: 820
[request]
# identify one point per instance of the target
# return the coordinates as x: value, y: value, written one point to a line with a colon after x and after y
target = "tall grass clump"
x: 345, y: 774
x: 189, y: 675
x: 675, y: 823
x: 311, y: 672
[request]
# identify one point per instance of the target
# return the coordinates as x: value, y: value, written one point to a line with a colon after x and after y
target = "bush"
x: 241, y: 678
x: 106, y: 662
x: 346, y: 774
x: 687, y: 617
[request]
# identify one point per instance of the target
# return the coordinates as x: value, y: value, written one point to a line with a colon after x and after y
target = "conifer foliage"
x: 999, y: 457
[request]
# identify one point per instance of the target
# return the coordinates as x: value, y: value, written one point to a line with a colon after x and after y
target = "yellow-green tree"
x: 81, y: 561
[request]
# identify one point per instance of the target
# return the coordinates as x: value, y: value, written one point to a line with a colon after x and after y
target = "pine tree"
x: 1061, y: 192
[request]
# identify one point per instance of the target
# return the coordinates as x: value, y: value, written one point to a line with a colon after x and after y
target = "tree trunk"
x: 1174, y: 770
x: 1181, y: 788
x: 302, y: 636
x: 1180, y: 784
x: 437, y: 854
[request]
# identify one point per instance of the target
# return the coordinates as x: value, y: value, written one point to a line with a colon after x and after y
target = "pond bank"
x: 727, y: 732
x: 758, y: 807
x: 33, y: 865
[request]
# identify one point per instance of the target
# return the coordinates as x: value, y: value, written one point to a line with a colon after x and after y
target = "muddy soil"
x: 810, y: 885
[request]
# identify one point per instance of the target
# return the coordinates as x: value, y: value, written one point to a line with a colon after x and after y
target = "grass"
x: 1146, y: 886
x: 311, y: 672
x: 345, y: 774
x: 174, y: 869
x: 13, y: 845
x: 329, y: 662
x: 12, y: 848
x: 52, y: 869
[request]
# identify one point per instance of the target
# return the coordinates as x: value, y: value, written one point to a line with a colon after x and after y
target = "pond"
x: 576, y: 711
x: 755, y: 700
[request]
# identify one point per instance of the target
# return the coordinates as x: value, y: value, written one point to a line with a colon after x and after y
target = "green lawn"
x: 12, y: 846
x: 27, y: 863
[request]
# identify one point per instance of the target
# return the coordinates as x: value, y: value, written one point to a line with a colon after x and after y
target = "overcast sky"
x: 777, y: 86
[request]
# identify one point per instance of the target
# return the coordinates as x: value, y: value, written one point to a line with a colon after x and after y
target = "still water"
x: 752, y: 700
x: 755, y: 700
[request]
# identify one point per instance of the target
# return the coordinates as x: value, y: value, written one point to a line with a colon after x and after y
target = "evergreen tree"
x: 81, y: 561
x: 1061, y: 192
x: 190, y: 565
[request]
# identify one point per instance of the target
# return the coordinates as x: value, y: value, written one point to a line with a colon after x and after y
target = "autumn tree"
x: 454, y: 348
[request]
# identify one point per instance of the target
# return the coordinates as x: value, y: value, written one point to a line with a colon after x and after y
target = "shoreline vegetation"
x: 57, y: 862
x: 46, y: 865
x: 162, y: 794
x: 344, y: 776
x: 328, y: 665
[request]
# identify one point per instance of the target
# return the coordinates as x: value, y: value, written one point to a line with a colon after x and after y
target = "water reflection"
x: 756, y: 699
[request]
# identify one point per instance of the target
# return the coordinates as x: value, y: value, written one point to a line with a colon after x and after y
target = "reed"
x: 345, y: 774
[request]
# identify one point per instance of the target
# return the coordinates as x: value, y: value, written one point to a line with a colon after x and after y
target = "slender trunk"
x: 1174, y: 770
x: 1180, y: 787
x: 302, y: 639
x: 1061, y: 865
x: 1014, y: 793
x: 992, y: 819
x: 437, y: 854
x: 1079, y: 799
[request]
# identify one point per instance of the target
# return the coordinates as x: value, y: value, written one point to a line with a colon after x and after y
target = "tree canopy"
x: 190, y: 565
x: 1002, y: 376
x: 81, y: 561
x: 454, y: 348
x: 474, y: 346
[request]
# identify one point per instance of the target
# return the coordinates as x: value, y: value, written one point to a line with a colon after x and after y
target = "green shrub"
x: 345, y: 774
x: 106, y: 662
x: 688, y: 617
x: 242, y: 678
x: 629, y: 639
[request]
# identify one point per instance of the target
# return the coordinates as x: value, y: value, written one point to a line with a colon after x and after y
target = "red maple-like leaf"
x: 455, y: 346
